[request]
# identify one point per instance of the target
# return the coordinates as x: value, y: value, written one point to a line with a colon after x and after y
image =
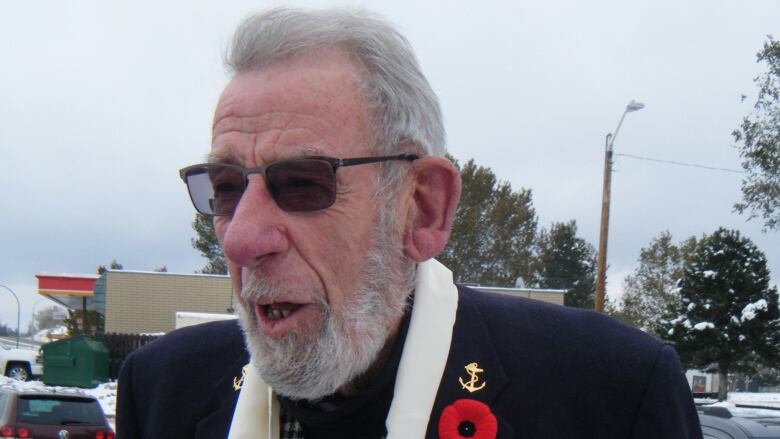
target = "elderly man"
x: 330, y: 197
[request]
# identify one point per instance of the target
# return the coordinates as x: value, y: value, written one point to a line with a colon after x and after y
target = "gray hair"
x: 404, y: 107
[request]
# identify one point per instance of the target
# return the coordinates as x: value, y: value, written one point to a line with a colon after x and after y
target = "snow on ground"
x: 42, y: 336
x: 764, y: 399
x: 106, y: 394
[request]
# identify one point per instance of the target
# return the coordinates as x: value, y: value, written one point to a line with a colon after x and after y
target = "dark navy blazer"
x: 549, y: 372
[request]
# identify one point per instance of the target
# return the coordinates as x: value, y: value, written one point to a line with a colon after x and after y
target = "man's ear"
x: 434, y: 199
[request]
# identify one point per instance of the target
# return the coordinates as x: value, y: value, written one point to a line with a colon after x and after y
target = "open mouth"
x: 278, y: 311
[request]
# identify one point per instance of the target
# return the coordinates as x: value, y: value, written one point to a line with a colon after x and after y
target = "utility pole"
x: 601, y: 275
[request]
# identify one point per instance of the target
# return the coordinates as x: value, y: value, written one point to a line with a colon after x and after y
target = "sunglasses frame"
x: 334, y: 162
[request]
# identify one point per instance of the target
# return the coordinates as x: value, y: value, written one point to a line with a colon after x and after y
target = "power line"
x: 671, y: 162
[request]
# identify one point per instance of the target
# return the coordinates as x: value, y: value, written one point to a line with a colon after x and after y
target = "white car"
x: 21, y: 364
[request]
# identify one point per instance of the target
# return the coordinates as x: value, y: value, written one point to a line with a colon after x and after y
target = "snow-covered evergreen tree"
x: 728, y: 315
x: 651, y: 290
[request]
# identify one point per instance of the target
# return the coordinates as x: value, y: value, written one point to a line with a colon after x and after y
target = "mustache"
x: 256, y: 288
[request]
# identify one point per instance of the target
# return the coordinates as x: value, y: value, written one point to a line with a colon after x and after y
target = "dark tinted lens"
x: 302, y: 185
x: 215, y: 189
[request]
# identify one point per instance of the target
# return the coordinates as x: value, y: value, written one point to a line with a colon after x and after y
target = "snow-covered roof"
x: 165, y: 273
x: 78, y: 276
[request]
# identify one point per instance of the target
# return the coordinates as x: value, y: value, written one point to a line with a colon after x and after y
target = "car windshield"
x: 58, y: 411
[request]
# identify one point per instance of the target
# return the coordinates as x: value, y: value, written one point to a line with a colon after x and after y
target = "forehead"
x: 305, y: 104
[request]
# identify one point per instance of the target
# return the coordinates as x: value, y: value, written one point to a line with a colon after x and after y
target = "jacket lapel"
x: 482, y: 382
x: 216, y: 422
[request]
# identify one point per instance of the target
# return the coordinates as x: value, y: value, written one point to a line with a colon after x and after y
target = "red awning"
x: 67, y: 284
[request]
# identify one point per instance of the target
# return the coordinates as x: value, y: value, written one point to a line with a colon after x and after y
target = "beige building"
x: 147, y: 302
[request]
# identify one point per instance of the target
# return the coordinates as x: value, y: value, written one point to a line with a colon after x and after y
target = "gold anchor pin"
x: 472, y: 369
x: 238, y: 382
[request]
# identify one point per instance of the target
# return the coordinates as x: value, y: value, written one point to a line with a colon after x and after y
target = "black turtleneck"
x: 360, y: 416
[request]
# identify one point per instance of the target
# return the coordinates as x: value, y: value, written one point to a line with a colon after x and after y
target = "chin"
x: 313, y: 364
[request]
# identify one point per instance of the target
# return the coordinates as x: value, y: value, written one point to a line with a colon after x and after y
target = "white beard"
x: 311, y: 365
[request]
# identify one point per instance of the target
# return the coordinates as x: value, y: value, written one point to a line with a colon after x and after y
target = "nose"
x: 255, y: 232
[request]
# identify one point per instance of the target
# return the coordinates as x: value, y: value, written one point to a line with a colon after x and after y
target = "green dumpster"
x: 79, y: 361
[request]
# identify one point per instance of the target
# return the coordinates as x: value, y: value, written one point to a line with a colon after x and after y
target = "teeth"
x: 273, y: 313
x: 276, y: 314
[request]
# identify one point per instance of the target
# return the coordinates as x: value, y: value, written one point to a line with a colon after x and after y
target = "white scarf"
x: 422, y: 364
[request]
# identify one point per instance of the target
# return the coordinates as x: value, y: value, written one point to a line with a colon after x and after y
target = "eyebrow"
x: 225, y: 157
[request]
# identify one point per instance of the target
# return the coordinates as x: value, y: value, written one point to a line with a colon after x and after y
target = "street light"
x: 18, y: 314
x: 601, y: 277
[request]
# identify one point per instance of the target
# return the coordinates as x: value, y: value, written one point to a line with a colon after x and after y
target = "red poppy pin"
x: 467, y: 418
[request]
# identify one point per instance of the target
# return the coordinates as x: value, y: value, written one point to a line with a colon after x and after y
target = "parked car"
x: 46, y: 413
x: 719, y: 422
x: 21, y: 364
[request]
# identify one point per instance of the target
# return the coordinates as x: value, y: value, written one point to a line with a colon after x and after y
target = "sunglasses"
x: 302, y: 184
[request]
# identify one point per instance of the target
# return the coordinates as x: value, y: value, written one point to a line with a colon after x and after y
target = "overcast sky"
x: 102, y: 102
